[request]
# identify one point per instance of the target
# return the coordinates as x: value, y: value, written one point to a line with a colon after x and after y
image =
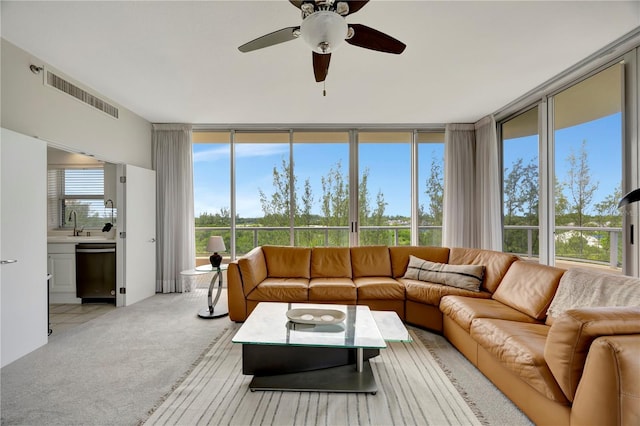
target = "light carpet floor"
x: 412, y: 390
x: 113, y: 370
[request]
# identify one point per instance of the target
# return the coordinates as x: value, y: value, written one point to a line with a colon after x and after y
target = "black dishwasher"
x: 96, y: 272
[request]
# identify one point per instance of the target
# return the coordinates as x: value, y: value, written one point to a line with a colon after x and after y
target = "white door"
x: 136, y: 247
x: 23, y: 238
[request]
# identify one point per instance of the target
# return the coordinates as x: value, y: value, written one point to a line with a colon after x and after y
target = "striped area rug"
x: 412, y: 390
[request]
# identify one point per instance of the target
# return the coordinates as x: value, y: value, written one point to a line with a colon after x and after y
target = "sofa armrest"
x: 571, y: 335
x: 235, y: 294
x: 243, y: 275
x: 609, y: 392
x: 253, y: 270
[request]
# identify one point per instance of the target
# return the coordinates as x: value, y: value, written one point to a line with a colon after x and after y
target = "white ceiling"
x: 177, y: 61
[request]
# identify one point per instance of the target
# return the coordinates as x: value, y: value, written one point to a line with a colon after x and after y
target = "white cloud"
x: 211, y: 154
x: 220, y: 152
x: 261, y: 150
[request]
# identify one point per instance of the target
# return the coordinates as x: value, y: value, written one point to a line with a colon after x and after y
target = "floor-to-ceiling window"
x: 384, y: 188
x: 262, y: 189
x: 570, y: 176
x: 520, y: 184
x: 211, y: 189
x: 321, y: 190
x: 430, y: 176
x: 296, y: 187
x: 588, y: 146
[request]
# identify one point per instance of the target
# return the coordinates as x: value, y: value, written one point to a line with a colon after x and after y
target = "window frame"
x: 298, y: 135
x: 630, y: 151
x: 60, y: 194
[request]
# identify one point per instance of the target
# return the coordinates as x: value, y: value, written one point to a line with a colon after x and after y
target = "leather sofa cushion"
x: 400, y: 256
x: 496, y: 264
x: 281, y: 290
x: 385, y: 288
x: 529, y: 287
x: 572, y: 333
x: 331, y: 262
x: 253, y: 269
x: 432, y: 293
x: 463, y: 310
x: 332, y: 289
x: 371, y: 261
x: 612, y: 380
x: 287, y: 262
x: 520, y: 348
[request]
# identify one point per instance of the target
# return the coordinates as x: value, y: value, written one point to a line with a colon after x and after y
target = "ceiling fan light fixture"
x: 324, y: 31
x: 350, y: 33
x: 342, y: 8
x: 307, y: 9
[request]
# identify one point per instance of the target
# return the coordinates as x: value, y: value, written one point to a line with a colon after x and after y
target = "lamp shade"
x: 323, y: 31
x: 631, y: 197
x: 215, y: 244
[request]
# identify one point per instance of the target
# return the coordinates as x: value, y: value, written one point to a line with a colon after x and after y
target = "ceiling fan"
x: 324, y: 28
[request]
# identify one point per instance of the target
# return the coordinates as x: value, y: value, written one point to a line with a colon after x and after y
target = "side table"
x: 213, y: 311
x: 189, y: 277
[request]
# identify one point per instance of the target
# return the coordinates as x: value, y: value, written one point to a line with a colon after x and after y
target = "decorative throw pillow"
x: 468, y: 277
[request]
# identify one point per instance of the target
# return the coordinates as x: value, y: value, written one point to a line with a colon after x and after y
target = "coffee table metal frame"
x: 287, y: 356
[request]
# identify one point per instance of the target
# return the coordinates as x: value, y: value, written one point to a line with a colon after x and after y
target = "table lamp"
x: 215, y: 245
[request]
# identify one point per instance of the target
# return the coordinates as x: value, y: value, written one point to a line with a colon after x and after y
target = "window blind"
x: 79, y: 190
x: 83, y: 183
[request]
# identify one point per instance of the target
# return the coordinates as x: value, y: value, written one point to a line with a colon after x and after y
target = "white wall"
x: 31, y: 108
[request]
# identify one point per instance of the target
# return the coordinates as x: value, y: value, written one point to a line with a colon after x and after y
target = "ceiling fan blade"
x: 296, y: 3
x: 355, y: 6
x: 372, y: 39
x: 321, y: 65
x: 276, y: 37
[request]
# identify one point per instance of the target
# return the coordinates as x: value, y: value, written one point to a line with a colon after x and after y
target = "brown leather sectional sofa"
x: 582, y: 367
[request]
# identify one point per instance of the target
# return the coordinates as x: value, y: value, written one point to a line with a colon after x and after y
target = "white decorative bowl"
x: 315, y: 316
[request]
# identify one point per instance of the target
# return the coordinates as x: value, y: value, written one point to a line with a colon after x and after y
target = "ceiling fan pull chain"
x: 324, y: 88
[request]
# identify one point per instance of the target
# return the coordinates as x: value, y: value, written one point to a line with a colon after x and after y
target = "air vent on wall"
x: 80, y: 94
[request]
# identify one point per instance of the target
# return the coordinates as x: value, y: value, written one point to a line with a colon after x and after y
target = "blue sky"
x: 604, y: 146
x: 388, y: 165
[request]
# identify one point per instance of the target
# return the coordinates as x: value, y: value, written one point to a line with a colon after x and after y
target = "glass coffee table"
x: 291, y: 356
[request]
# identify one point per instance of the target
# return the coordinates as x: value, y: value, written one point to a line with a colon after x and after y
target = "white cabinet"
x: 63, y: 269
x: 61, y: 264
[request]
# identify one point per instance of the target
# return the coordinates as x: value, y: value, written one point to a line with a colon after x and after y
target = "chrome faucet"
x: 111, y: 202
x: 73, y: 214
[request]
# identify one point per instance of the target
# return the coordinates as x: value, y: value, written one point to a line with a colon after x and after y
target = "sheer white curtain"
x: 173, y: 162
x: 471, y: 205
x: 488, y: 198
x: 458, y: 211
